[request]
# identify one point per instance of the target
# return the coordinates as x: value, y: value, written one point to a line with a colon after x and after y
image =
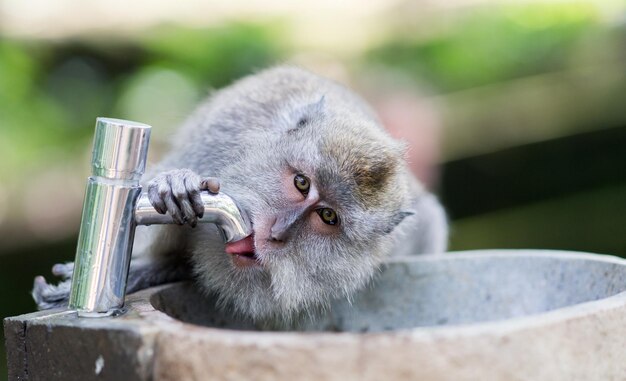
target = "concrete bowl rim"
x: 488, y: 328
x: 509, y: 253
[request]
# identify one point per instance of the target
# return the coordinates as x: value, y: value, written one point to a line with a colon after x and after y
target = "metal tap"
x: 114, y: 206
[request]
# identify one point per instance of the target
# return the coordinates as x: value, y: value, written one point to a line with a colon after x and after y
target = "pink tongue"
x: 243, y: 246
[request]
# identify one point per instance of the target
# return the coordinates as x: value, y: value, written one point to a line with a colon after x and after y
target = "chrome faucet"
x: 114, y: 206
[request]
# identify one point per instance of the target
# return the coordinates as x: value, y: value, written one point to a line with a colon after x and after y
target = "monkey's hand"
x: 178, y: 193
x: 50, y: 296
x: 143, y: 273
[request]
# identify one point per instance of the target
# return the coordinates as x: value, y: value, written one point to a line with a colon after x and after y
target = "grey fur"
x: 287, y: 120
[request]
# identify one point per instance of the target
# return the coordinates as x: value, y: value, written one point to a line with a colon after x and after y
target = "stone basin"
x: 482, y: 315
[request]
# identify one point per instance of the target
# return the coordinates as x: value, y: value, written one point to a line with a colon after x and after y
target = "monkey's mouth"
x: 242, y: 252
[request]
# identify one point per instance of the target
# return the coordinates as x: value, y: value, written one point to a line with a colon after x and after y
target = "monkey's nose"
x: 285, y: 222
x: 279, y: 234
x: 280, y: 230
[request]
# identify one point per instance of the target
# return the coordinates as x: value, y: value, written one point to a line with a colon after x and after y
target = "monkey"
x: 327, y: 192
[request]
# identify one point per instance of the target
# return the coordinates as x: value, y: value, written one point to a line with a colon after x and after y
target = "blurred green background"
x: 527, y: 102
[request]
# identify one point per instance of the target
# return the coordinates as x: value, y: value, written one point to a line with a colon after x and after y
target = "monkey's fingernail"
x: 198, y: 208
x: 177, y: 219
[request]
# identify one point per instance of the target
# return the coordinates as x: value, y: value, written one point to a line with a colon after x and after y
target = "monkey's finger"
x: 177, y: 184
x: 193, y: 192
x: 172, y: 208
x: 156, y: 195
x: 180, y: 191
x: 211, y: 184
x: 182, y: 199
x: 170, y: 200
x: 47, y: 293
x: 39, y: 284
x: 63, y: 270
x: 189, y: 214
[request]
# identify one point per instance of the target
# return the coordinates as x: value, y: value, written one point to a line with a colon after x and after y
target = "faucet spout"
x: 219, y: 209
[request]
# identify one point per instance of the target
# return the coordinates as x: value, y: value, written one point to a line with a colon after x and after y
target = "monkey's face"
x: 322, y: 200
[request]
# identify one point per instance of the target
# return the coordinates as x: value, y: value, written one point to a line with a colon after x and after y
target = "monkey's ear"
x: 311, y: 111
x: 316, y: 108
x: 321, y: 103
x: 396, y: 219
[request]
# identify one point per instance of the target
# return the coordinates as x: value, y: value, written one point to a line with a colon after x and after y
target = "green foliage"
x: 50, y: 94
x: 491, y: 45
x: 30, y: 121
x: 215, y: 56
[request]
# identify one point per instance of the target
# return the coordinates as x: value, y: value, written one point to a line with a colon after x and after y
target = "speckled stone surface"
x: 483, y: 315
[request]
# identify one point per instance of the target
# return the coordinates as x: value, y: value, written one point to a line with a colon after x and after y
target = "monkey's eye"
x: 328, y: 216
x: 302, y: 184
